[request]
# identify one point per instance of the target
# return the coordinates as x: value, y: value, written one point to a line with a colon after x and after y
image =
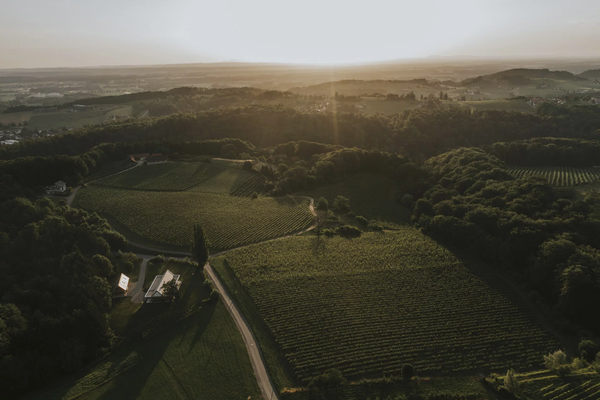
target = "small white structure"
x: 9, y: 142
x: 58, y: 187
x: 155, y: 290
x: 123, y: 282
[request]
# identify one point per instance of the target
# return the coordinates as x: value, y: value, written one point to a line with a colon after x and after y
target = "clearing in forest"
x: 369, y: 305
x: 559, y: 176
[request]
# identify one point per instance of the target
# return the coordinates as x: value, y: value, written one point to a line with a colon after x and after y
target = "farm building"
x: 155, y: 292
x: 139, y: 157
x: 123, y: 284
x: 58, y: 187
x: 156, y: 159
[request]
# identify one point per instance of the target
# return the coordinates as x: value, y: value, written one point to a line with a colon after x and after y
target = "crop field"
x: 230, y: 181
x: 545, y: 385
x: 500, y: 105
x: 15, y: 118
x: 74, y: 120
x: 194, y: 176
x: 375, y: 106
x: 559, y: 176
x: 168, y: 217
x: 368, y: 305
x: 171, y: 176
x: 371, y: 196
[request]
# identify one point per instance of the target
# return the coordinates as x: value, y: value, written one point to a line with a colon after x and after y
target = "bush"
x: 342, y: 204
x: 255, y: 195
x: 322, y: 204
x: 554, y: 360
x: 511, y: 382
x: 332, y: 378
x: 407, y: 201
x: 247, y: 166
x: 348, y: 230
x: 362, y: 219
x: 588, y: 349
x: 408, y: 371
x: 377, y: 228
x: 579, y: 364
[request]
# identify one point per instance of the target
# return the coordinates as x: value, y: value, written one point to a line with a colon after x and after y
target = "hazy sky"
x: 44, y: 33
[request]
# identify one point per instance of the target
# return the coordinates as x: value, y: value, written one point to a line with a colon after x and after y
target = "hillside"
x: 520, y: 76
x: 368, y: 305
x: 591, y: 74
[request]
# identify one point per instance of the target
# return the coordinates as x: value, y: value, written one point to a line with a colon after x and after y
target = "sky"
x: 67, y: 33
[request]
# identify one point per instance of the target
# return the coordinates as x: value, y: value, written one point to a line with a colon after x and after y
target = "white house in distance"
x: 154, y: 293
x: 58, y: 187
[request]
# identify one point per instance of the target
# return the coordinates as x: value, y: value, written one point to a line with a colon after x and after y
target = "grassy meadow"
x: 369, y: 305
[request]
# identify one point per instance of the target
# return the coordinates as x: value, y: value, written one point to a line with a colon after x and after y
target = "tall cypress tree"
x: 200, y: 245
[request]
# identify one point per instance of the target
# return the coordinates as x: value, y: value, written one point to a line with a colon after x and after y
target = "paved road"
x: 137, y: 295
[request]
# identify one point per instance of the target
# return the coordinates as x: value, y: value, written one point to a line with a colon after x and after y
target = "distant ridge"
x: 521, y: 76
x: 590, y: 74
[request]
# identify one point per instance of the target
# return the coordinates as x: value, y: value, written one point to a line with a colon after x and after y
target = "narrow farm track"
x: 258, y: 365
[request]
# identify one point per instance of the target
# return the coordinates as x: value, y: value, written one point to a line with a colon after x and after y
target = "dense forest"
x: 520, y: 224
x: 55, y: 262
x: 418, y: 133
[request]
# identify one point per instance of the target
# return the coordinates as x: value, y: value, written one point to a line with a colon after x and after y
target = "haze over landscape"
x: 317, y: 200
x: 68, y: 33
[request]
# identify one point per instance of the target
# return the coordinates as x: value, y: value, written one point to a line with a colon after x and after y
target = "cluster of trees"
x: 55, y: 296
x: 38, y: 171
x: 549, y: 151
x: 523, y: 224
x: 337, y: 165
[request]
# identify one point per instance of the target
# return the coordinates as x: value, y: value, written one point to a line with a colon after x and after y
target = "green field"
x: 559, y: 176
x: 374, y: 106
x: 168, y: 217
x: 188, y: 355
x: 171, y: 176
x: 500, y: 105
x: 16, y: 118
x: 217, y: 177
x: 372, y: 196
x: 369, y: 305
x: 74, y: 120
x: 546, y: 385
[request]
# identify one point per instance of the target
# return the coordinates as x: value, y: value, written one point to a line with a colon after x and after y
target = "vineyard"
x: 367, y: 306
x: 559, y: 176
x: 230, y: 181
x: 168, y: 217
x: 170, y: 176
x: 545, y: 385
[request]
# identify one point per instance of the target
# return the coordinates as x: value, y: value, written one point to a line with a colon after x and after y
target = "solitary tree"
x: 200, y: 245
x: 169, y: 290
x: 408, y: 371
